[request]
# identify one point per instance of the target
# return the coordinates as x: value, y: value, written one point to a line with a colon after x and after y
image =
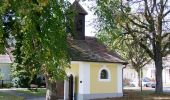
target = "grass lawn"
x: 144, y: 95
x: 5, y: 96
x: 39, y: 92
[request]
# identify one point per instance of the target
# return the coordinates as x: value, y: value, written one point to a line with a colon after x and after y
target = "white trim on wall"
x: 119, y: 78
x: 108, y: 71
x: 80, y: 77
x: 66, y: 89
x: 84, y: 78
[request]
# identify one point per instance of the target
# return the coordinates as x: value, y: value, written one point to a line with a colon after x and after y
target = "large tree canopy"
x: 128, y: 49
x: 146, y: 21
x: 39, y: 29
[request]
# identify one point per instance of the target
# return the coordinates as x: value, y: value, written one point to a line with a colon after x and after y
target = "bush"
x: 15, y: 82
x: 7, y: 85
x: 22, y: 82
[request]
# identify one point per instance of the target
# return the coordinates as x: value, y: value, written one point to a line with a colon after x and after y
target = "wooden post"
x: 2, y: 83
x: 141, y: 74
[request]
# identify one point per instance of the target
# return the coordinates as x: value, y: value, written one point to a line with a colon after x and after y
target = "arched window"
x: 104, y: 74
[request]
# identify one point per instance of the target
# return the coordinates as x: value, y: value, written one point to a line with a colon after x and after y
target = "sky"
x: 89, y: 29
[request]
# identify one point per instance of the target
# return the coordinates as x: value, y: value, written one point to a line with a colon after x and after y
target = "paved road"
x: 26, y: 96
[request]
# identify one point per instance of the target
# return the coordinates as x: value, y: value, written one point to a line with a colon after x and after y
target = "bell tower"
x: 79, y: 20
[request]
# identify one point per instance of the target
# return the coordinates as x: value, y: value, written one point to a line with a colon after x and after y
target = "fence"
x: 5, y: 83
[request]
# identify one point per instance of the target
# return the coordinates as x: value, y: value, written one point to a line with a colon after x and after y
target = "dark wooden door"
x: 71, y: 87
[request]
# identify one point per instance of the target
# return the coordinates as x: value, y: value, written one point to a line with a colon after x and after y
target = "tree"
x: 128, y: 49
x: 39, y: 29
x: 146, y: 21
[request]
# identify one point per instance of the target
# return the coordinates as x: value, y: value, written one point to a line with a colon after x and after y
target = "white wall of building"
x: 149, y: 71
x: 5, y: 71
x: 129, y: 73
x: 5, y: 67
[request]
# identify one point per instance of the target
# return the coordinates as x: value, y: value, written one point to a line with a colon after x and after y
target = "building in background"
x: 5, y: 67
x: 129, y: 72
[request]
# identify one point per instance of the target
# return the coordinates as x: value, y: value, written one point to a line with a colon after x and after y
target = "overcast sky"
x: 89, y: 30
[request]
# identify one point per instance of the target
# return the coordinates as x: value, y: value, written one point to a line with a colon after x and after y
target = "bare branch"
x: 147, y: 9
x: 166, y: 48
x: 149, y: 17
x: 165, y: 35
x: 166, y: 13
x: 146, y: 35
x: 165, y: 3
x: 137, y: 24
x: 166, y: 53
x: 147, y: 50
x: 145, y: 63
x: 154, y: 5
x: 144, y: 46
x: 162, y: 7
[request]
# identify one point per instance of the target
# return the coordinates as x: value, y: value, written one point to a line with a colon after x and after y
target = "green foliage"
x: 109, y: 16
x: 145, y: 21
x: 127, y: 48
x: 1, y: 76
x: 141, y: 20
x: 40, y: 34
x: 3, y: 5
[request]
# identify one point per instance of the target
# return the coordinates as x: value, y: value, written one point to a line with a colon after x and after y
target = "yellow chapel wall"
x: 97, y: 86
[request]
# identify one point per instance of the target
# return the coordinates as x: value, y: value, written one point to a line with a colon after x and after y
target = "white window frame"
x: 108, y: 72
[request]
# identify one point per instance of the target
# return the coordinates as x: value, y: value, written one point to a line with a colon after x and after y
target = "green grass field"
x: 6, y: 96
x: 39, y: 92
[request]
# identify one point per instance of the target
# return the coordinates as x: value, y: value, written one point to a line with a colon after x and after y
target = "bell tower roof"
x: 78, y: 8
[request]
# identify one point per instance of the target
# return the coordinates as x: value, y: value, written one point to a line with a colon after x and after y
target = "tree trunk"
x: 138, y: 78
x: 51, y: 93
x: 141, y: 76
x: 159, y: 68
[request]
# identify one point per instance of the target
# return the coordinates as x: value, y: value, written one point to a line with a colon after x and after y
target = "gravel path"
x: 26, y: 96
